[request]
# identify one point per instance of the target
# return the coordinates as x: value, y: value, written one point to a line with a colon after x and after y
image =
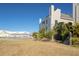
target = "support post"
x: 70, y: 38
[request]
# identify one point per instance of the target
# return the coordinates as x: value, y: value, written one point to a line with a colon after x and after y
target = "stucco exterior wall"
x: 52, y: 20
x: 76, y: 12
x: 65, y: 21
x: 54, y: 15
x: 57, y: 14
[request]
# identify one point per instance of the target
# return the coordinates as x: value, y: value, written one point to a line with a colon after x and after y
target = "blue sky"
x: 25, y: 17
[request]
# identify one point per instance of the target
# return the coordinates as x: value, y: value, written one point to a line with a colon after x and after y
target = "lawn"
x: 29, y: 47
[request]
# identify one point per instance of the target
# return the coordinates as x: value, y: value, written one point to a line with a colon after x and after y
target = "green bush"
x: 35, y: 34
x: 43, y: 34
x: 76, y: 30
x: 75, y: 39
x: 62, y: 31
x: 49, y: 35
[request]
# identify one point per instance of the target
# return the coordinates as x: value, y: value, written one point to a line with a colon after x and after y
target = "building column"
x: 40, y: 23
x: 52, y: 20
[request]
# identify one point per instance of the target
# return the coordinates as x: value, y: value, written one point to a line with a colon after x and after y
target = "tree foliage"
x: 63, y: 30
x: 76, y: 30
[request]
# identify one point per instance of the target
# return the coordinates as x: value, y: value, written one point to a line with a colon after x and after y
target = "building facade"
x: 54, y: 16
x: 76, y: 12
x: 5, y: 33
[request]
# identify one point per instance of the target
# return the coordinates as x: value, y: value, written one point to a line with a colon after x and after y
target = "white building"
x: 5, y: 33
x: 54, y: 16
x: 76, y: 12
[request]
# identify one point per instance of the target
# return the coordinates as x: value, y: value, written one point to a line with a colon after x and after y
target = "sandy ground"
x: 28, y: 47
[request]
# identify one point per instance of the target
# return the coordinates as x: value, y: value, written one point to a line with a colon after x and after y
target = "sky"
x: 25, y: 16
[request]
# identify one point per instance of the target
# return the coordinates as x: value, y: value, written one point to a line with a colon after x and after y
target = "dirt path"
x: 35, y: 48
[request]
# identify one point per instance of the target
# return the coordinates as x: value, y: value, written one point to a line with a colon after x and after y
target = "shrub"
x: 41, y: 33
x: 49, y: 35
x: 75, y: 40
x: 76, y: 30
x: 62, y: 31
x: 35, y: 34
